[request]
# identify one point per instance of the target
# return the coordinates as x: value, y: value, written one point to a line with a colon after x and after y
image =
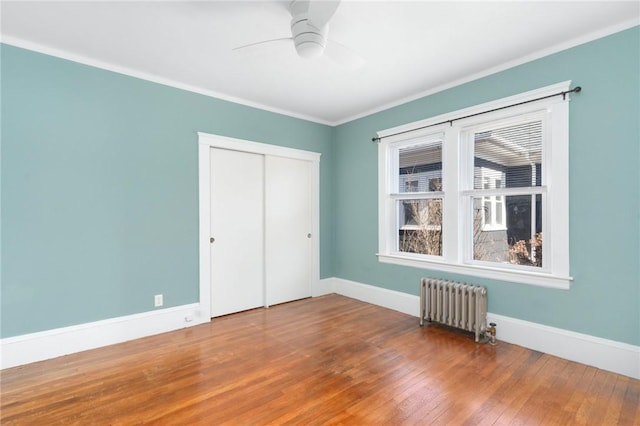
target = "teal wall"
x: 604, y: 299
x: 100, y: 189
x: 100, y: 205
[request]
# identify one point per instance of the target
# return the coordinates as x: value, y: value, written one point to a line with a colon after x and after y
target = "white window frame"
x: 467, y: 172
x: 395, y: 196
x: 457, y: 195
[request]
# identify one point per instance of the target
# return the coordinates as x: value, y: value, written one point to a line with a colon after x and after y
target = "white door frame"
x: 205, y: 142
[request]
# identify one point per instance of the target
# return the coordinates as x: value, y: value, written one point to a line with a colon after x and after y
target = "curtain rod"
x: 564, y: 94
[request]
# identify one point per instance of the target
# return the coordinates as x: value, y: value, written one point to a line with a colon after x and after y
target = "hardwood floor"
x: 327, y: 360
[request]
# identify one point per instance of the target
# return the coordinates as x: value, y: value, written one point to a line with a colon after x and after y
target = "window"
x: 507, y: 161
x: 480, y: 195
x: 418, y: 199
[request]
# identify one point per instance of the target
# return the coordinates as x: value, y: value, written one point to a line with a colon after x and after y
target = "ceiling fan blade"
x: 321, y: 11
x: 342, y: 55
x: 247, y: 48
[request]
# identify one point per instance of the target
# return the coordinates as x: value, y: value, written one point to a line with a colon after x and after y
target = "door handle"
x: 211, y: 239
x: 309, y: 235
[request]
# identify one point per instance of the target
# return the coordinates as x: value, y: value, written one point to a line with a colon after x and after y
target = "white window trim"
x: 454, y: 260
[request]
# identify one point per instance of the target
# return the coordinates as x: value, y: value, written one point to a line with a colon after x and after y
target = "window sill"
x: 523, y: 277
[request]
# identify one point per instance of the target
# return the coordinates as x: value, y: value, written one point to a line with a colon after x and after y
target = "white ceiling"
x: 411, y: 48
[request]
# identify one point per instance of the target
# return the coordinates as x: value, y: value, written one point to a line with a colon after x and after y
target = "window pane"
x: 420, y: 168
x: 498, y: 210
x: 521, y: 242
x: 510, y: 156
x: 419, y: 226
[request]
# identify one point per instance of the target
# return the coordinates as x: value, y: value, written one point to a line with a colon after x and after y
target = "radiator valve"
x: 492, y: 333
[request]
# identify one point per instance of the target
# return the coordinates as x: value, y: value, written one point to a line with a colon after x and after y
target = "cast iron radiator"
x: 455, y: 304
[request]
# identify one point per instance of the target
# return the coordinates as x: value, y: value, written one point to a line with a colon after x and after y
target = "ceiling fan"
x: 309, y: 29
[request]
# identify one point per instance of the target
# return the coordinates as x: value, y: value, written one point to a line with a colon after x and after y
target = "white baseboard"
x: 49, y: 344
x: 401, y: 302
x: 322, y: 287
x: 33, y: 347
x: 617, y: 357
x: 606, y: 354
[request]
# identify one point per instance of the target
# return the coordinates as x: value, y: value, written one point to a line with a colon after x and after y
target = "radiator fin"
x: 455, y: 304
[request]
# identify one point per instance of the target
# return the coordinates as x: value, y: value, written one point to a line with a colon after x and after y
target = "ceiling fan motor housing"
x: 309, y: 40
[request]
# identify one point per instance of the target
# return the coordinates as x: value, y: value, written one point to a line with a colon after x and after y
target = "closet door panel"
x: 288, y: 227
x: 237, y: 226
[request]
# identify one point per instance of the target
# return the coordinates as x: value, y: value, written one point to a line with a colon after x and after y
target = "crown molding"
x: 130, y: 72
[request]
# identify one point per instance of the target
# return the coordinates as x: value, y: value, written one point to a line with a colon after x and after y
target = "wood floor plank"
x: 329, y: 360
x: 630, y: 410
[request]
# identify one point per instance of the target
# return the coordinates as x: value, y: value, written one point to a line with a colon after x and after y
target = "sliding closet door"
x: 237, y: 229
x: 288, y: 225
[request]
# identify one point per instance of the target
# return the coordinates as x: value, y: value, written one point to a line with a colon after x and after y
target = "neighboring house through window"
x: 480, y: 195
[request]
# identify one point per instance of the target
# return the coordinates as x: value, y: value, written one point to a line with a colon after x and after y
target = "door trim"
x: 206, y: 141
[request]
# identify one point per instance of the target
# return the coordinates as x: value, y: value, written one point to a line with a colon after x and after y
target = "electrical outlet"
x: 157, y: 300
